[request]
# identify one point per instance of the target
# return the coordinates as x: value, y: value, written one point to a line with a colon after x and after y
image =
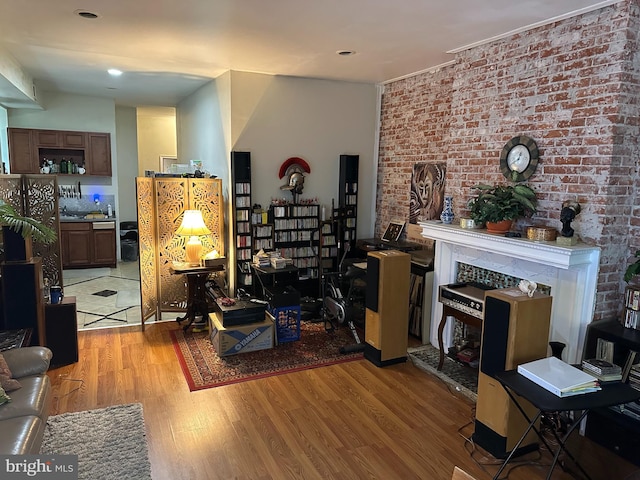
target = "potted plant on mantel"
x: 18, y: 231
x: 499, y: 205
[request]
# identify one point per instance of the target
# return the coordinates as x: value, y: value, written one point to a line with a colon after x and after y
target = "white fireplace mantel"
x: 570, y: 271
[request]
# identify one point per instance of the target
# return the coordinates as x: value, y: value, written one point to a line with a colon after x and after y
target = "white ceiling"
x: 169, y: 48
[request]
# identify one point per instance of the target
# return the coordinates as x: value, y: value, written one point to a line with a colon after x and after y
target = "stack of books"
x: 634, y: 377
x: 558, y: 377
x: 603, y: 370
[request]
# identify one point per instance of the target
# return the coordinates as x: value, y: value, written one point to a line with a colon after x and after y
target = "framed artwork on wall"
x: 166, y: 162
x: 427, y: 191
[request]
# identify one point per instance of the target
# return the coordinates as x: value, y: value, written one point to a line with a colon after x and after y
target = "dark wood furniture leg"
x: 196, y: 298
x: 465, y: 318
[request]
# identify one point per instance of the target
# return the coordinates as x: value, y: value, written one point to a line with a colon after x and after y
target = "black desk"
x: 196, y: 290
x: 545, y: 401
x: 274, y: 278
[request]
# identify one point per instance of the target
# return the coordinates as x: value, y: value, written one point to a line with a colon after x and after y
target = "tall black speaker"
x: 515, y: 330
x: 387, y: 307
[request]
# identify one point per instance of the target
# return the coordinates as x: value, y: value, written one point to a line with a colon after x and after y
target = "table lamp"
x: 193, y: 226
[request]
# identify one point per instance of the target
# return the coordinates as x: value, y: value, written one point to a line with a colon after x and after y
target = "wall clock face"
x: 519, y: 158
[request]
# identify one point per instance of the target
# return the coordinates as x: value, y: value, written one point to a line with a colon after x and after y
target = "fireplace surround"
x: 571, y: 272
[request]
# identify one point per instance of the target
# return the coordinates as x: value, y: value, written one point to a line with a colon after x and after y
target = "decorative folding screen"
x: 36, y: 196
x: 161, y: 204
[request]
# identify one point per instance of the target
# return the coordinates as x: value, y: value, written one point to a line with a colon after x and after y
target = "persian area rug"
x: 109, y: 442
x: 203, y: 368
x: 458, y: 376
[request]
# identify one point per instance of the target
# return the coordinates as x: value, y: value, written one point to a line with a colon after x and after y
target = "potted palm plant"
x: 18, y: 231
x: 499, y: 205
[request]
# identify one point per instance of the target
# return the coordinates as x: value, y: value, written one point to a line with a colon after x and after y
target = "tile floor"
x: 105, y: 297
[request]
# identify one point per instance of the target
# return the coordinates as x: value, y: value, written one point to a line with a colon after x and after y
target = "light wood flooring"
x: 347, y: 421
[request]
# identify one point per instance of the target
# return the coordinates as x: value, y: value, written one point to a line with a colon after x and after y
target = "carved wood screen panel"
x: 161, y: 204
x: 147, y: 248
x: 41, y: 203
x: 172, y: 199
x: 35, y: 196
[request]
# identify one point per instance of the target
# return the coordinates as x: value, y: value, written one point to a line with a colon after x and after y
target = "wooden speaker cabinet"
x: 515, y: 330
x: 387, y: 307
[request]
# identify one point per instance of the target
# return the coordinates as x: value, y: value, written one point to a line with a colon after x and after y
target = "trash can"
x: 129, y: 241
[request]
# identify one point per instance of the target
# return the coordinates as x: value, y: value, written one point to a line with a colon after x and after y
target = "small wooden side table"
x: 196, y: 290
x: 465, y: 318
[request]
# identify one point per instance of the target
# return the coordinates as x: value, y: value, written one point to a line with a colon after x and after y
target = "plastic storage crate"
x: 287, y: 322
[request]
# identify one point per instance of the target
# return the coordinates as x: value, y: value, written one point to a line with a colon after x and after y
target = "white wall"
x: 4, y: 142
x: 156, y: 129
x: 127, y: 148
x: 203, y: 127
x: 276, y: 118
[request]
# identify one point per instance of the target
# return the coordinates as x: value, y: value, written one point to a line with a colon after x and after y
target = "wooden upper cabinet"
x: 99, y: 154
x: 21, y: 151
x: 60, y: 139
x: 46, y: 138
x: 73, y: 139
x: 26, y: 146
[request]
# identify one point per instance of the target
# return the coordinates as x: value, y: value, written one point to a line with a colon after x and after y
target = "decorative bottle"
x: 447, y: 215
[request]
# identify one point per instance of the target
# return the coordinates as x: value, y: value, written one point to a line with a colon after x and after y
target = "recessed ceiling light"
x: 114, y: 72
x: 346, y: 53
x: 85, y: 14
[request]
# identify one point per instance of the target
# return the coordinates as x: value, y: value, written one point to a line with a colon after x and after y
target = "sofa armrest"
x: 27, y: 361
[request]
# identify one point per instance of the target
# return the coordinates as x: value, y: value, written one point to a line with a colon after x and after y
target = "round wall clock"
x: 519, y: 158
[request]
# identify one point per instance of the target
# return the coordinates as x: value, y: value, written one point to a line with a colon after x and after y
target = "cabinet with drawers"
x: 88, y: 244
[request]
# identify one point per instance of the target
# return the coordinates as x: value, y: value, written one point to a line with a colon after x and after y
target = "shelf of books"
x: 296, y: 235
x: 611, y: 353
x: 329, y: 246
x: 631, y: 312
x: 348, y: 202
x: 241, y: 197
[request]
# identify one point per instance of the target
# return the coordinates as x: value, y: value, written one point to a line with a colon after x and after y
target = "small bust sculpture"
x: 570, y: 209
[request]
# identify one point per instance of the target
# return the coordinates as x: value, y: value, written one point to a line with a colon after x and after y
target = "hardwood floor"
x: 346, y: 421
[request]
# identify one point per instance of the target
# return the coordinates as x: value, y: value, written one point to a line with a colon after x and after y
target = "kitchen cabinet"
x: 99, y: 154
x: 88, y: 244
x: 28, y: 149
x: 60, y: 139
x: 21, y: 147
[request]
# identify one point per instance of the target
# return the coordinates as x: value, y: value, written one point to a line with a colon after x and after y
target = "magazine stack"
x: 602, y: 370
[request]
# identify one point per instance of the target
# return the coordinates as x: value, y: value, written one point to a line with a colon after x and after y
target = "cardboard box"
x: 240, y: 338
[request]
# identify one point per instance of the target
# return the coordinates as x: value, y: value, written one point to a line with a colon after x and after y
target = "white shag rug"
x: 110, y: 442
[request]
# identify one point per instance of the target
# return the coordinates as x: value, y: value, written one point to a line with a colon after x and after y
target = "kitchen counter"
x: 82, y: 218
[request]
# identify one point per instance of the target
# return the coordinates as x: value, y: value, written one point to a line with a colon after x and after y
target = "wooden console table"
x: 465, y: 318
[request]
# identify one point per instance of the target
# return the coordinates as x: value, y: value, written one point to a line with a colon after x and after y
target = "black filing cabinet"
x: 62, y: 331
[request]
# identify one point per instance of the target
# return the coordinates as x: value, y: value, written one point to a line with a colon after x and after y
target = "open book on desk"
x: 558, y: 377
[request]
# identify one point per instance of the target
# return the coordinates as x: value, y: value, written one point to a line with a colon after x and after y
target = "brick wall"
x: 573, y: 86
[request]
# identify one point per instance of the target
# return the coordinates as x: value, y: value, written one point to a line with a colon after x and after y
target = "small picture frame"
x: 393, y: 231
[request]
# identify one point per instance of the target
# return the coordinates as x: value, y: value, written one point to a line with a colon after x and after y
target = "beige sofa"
x: 22, y: 421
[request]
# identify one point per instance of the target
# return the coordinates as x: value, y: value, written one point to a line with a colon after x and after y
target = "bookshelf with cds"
x: 347, y: 212
x: 329, y: 246
x: 241, y: 197
x: 616, y: 428
x: 296, y: 235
